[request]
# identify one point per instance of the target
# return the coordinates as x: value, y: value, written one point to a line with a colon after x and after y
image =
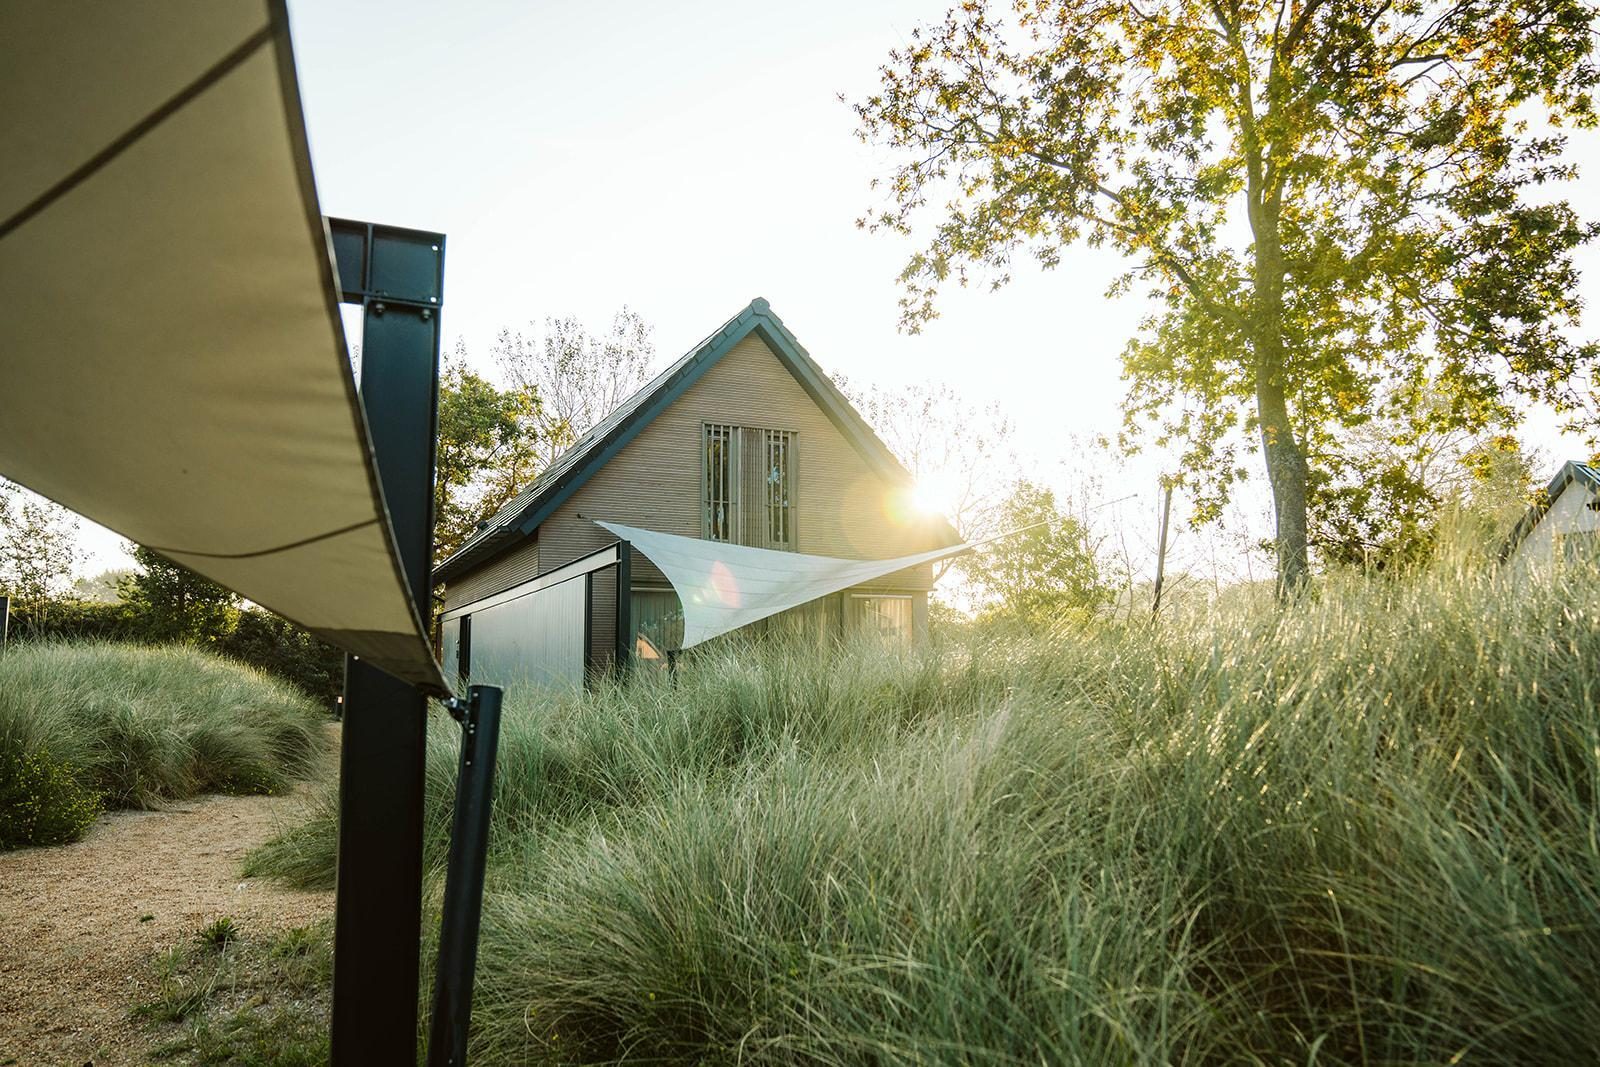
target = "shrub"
x: 136, y: 726
x: 68, y: 619
x: 41, y: 801
x: 287, y: 651
x: 257, y: 638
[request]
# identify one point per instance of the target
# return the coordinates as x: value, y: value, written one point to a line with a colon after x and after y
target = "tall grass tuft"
x: 1360, y: 830
x: 131, y: 727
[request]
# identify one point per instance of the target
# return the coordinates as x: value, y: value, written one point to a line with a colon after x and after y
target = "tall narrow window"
x: 721, y: 449
x: 779, y: 488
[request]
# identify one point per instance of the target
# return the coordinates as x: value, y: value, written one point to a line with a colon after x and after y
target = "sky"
x: 682, y: 159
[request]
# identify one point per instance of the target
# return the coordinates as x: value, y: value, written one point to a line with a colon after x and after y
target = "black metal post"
x: 463, y: 885
x: 397, y: 276
x: 5, y: 620
x: 624, y: 605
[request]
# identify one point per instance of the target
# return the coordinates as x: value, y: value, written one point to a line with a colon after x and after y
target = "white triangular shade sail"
x: 723, y: 587
x: 172, y: 363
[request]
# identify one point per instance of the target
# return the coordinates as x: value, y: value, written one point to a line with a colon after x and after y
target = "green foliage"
x: 74, y: 620
x: 488, y: 440
x: 1045, y: 573
x: 493, y: 441
x: 1336, y: 207
x: 255, y: 637
x: 217, y: 934
x: 38, y: 546
x: 257, y: 1001
x: 135, y: 727
x: 172, y: 603
x: 42, y: 802
x: 282, y: 649
x: 1397, y: 503
x: 1361, y: 832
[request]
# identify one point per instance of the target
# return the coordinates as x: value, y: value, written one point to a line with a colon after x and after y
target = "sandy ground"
x: 81, y: 923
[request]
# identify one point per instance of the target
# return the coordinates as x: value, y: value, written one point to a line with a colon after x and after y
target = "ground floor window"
x: 889, y: 617
x: 657, y: 624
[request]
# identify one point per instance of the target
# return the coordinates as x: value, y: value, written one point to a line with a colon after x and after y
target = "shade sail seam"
x: 138, y: 130
x: 266, y: 551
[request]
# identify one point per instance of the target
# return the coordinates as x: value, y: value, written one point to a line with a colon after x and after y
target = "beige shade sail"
x: 723, y: 587
x: 172, y: 363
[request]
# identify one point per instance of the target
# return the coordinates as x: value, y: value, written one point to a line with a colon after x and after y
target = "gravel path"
x: 80, y: 923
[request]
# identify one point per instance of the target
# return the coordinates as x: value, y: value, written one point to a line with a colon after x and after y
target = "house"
x: 1564, y: 526
x: 742, y: 440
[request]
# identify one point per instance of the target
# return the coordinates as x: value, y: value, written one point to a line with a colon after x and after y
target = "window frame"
x: 732, y: 448
x: 738, y: 435
x: 790, y: 440
x: 855, y: 621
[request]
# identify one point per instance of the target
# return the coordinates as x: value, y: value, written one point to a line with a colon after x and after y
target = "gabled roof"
x: 523, y: 515
x: 1571, y: 473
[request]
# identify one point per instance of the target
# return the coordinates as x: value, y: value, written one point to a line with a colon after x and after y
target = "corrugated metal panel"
x: 534, y: 640
x: 603, y: 620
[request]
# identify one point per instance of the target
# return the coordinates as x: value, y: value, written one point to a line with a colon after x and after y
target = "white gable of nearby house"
x: 1567, y: 527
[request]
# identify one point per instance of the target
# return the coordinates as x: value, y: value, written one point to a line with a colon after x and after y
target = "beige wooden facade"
x: 844, y: 506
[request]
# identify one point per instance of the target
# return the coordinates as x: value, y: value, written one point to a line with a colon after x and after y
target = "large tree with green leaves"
x: 489, y: 450
x: 1337, y: 205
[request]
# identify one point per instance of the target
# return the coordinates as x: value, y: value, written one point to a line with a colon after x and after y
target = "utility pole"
x: 1161, y: 548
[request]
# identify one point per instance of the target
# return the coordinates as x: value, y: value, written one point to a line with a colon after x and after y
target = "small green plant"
x: 42, y: 800
x: 218, y: 934
x: 262, y: 1003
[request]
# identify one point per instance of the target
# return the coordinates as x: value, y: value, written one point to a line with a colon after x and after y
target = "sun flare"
x: 935, y: 493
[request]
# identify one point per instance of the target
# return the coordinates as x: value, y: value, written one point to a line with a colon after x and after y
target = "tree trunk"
x: 1285, y: 457
x: 1286, y: 471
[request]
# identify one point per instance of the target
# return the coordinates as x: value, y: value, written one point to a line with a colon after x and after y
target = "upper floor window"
x: 779, y: 488
x: 721, y: 449
x: 749, y: 485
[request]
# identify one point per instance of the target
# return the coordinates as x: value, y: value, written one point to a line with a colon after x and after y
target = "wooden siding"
x: 1570, y: 513
x: 844, y: 507
x: 503, y: 572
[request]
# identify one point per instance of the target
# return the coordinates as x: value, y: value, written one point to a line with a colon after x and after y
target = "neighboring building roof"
x: 522, y: 516
x: 1571, y: 473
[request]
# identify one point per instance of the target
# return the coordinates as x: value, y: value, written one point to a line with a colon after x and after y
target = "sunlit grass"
x: 1363, y: 830
x: 125, y: 726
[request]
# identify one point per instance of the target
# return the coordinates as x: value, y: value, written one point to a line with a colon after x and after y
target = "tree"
x: 1044, y: 572
x: 102, y: 588
x: 172, y: 603
x: 1380, y: 500
x: 489, y: 450
x: 960, y: 453
x: 1332, y: 202
x: 578, y: 376
x: 38, y: 545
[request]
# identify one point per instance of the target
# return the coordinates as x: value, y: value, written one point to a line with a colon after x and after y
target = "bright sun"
x: 934, y: 494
